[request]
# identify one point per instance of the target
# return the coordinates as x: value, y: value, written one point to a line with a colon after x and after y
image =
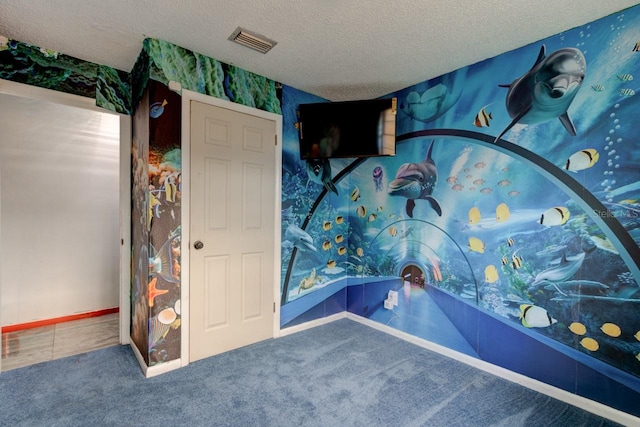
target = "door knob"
x: 198, y: 245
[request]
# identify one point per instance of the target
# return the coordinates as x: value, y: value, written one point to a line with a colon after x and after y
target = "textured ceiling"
x: 337, y: 49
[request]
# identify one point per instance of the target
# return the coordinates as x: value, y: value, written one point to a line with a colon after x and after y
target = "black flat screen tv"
x: 347, y: 129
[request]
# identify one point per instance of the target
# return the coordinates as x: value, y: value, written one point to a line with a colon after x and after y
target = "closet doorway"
x: 64, y: 217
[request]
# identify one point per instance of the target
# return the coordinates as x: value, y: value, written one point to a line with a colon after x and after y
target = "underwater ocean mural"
x: 508, y: 222
x: 164, y: 223
x: 506, y: 226
x: 37, y: 66
x: 140, y: 221
x: 160, y: 73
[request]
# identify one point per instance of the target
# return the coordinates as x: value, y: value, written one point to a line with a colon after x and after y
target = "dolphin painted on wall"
x: 547, y: 89
x: 561, y: 272
x: 432, y: 104
x: 296, y: 236
x: 417, y: 181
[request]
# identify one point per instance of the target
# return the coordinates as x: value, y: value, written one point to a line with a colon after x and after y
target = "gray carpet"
x: 339, y: 374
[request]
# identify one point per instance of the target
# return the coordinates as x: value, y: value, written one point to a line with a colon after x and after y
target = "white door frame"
x: 34, y: 92
x: 187, y: 97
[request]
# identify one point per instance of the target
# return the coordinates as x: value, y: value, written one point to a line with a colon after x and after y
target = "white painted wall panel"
x: 59, y: 202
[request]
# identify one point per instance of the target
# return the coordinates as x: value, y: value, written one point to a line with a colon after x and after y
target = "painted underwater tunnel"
x: 524, y: 251
x: 518, y: 270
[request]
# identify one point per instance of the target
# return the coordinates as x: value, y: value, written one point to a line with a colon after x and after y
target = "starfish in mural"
x: 152, y: 293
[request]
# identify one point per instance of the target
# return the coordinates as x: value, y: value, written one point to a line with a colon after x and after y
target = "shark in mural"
x: 417, y: 181
x: 319, y: 171
x: 547, y: 89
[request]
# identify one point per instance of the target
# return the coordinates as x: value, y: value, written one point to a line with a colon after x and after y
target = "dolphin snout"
x: 558, y: 92
x: 404, y: 187
x: 398, y: 184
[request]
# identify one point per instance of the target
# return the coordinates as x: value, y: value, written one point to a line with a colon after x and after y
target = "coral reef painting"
x: 38, y: 66
x: 206, y: 75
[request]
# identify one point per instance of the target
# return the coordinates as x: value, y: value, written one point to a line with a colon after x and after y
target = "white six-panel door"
x: 232, y: 216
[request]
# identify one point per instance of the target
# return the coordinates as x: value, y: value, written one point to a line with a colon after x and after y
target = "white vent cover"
x: 252, y: 40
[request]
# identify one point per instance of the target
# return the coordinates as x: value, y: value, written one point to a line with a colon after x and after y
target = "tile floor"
x: 31, y: 346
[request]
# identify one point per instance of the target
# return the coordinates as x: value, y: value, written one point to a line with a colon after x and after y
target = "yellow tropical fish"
x: 331, y: 263
x: 355, y: 194
x: 339, y: 219
x: 555, y: 216
x: 342, y: 250
x: 359, y: 252
x: 372, y: 217
x: 153, y: 202
x: 510, y: 241
x: 474, y: 215
x: 626, y: 77
x: 326, y: 245
x: 339, y: 238
x: 578, y: 328
x: 326, y: 226
x: 627, y: 92
x: 637, y: 335
x: 476, y: 245
x: 490, y: 274
x: 504, y: 260
x: 361, y: 211
x: 393, y: 231
x: 169, y: 192
x: 611, y: 329
x: 502, y: 212
x: 590, y: 344
x: 638, y: 357
x: 582, y: 159
x: 516, y: 261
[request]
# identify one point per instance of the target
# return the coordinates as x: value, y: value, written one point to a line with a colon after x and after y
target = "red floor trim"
x: 47, y: 322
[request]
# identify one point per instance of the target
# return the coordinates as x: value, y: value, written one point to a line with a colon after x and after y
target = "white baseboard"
x: 163, y: 368
x: 152, y: 371
x: 312, y: 324
x: 549, y: 390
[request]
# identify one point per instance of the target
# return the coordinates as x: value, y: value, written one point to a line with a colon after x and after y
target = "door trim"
x: 187, y: 97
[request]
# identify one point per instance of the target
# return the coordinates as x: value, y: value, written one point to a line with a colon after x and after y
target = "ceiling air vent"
x: 252, y: 40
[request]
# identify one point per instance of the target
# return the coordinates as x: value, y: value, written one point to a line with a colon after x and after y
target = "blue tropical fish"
x: 157, y: 108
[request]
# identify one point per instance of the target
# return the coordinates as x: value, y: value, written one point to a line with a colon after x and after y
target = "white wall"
x: 59, y: 210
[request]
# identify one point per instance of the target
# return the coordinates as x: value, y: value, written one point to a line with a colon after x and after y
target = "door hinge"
x: 274, y: 306
x: 275, y: 138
